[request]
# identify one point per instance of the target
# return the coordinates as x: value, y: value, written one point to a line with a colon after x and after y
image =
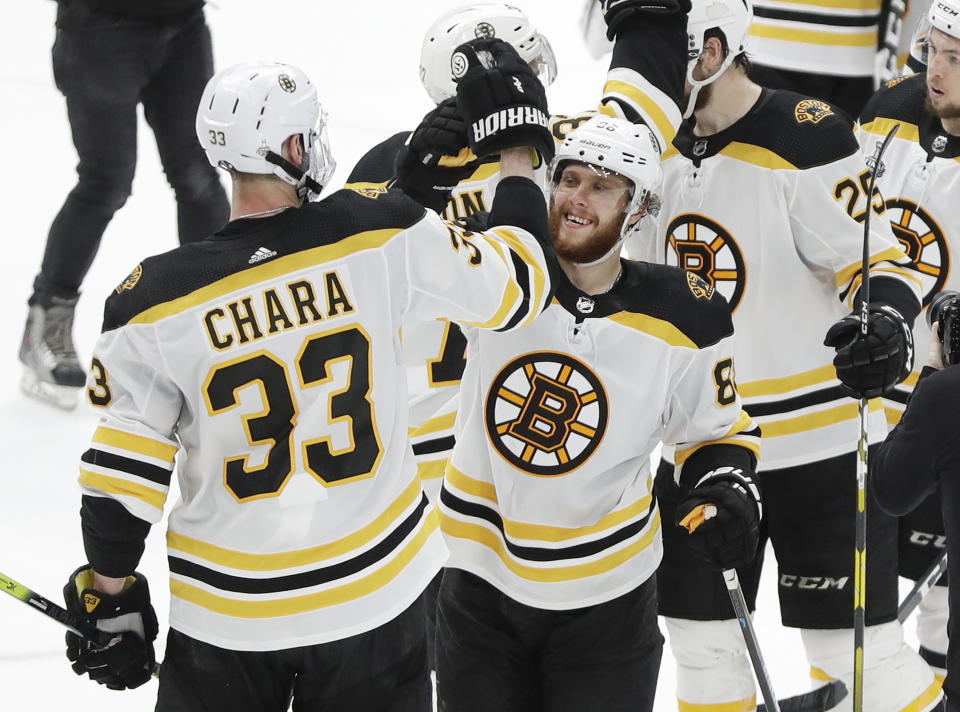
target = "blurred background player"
x: 920, y: 180
x: 823, y: 49
x: 763, y: 199
x: 548, y: 601
x: 109, y: 56
x: 302, y: 543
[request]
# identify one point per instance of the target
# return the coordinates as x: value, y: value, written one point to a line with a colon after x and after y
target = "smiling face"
x: 943, y: 77
x: 587, y: 212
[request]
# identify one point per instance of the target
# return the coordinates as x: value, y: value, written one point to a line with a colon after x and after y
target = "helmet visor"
x: 544, y: 62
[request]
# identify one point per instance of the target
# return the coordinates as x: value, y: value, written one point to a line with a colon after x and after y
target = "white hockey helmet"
x: 608, y: 144
x: 732, y: 18
x: 246, y: 113
x: 483, y: 21
x: 943, y: 15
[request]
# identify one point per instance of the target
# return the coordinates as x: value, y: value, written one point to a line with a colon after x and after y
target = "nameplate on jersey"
x: 546, y: 413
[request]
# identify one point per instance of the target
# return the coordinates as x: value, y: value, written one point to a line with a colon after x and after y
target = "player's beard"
x: 602, y: 239
x: 944, y: 111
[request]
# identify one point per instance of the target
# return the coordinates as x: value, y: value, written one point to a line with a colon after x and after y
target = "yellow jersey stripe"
x: 865, y: 38
x: 139, y: 444
x: 265, y: 271
x: 756, y: 155
x: 747, y: 705
x: 862, y: 5
x: 812, y: 421
x: 311, y: 601
x: 244, y: 561
x: 776, y: 386
x: 925, y: 698
x: 658, y: 328
x: 848, y: 273
x: 881, y: 127
x: 637, y: 96
x: 511, y: 294
x: 434, y: 425
x: 539, y: 278
x: 123, y: 488
x: 818, y: 674
x: 432, y: 469
x: 493, y: 541
x: 743, y: 424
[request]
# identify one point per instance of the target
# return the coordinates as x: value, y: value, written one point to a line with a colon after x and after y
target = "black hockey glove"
x: 501, y: 99
x: 435, y: 157
x: 722, y: 516
x: 869, y: 366
x: 127, y: 661
x: 615, y: 12
x: 475, y: 222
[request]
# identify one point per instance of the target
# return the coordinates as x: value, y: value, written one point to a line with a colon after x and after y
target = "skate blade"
x: 63, y: 397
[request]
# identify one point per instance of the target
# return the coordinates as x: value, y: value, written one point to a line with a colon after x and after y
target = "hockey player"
x: 919, y: 177
x: 267, y: 356
x: 764, y: 198
x: 546, y: 504
x: 919, y: 459
x: 434, y: 165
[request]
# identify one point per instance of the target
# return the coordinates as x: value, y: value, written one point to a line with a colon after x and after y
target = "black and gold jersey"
x: 548, y: 494
x: 770, y: 212
x: 266, y: 362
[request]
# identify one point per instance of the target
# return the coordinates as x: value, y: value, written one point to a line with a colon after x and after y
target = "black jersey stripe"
x: 130, y: 466
x: 825, y: 395
x: 865, y: 22
x: 316, y: 577
x: 436, y: 445
x: 522, y: 270
x: 533, y: 553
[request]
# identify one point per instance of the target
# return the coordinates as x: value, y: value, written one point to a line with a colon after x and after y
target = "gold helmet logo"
x: 546, y: 413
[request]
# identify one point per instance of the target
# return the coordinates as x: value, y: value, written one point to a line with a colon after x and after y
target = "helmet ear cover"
x: 481, y: 21
x: 248, y: 111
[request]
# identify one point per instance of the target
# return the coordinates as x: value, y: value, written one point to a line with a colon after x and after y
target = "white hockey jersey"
x: 548, y: 495
x: 769, y: 211
x: 269, y: 358
x: 643, y: 83
x: 836, y: 37
x: 919, y: 177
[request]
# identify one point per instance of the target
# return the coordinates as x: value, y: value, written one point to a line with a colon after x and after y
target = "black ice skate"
x: 52, y: 370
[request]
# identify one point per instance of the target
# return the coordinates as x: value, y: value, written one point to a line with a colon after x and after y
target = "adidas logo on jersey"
x: 260, y: 255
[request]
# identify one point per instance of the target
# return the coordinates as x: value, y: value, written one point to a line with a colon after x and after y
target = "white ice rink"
x: 363, y: 56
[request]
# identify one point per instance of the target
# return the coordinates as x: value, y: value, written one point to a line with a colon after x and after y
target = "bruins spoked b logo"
x: 546, y: 413
x: 924, y: 241
x: 706, y: 248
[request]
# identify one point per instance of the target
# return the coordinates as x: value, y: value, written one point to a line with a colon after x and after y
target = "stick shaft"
x: 750, y: 638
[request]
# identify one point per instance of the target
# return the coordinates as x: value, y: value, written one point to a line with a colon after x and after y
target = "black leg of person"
x: 58, y: 613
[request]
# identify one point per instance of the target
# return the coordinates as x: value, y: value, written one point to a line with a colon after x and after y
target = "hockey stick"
x: 750, y: 638
x: 887, y: 63
x: 860, y: 536
x: 922, y: 587
x: 819, y: 700
x: 60, y: 614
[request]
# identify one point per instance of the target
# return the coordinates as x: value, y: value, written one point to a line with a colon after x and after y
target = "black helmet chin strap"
x: 304, y: 182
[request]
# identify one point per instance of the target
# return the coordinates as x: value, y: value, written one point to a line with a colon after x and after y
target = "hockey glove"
x: 722, y: 516
x: 501, y: 99
x: 869, y: 366
x: 127, y: 661
x: 435, y: 157
x: 475, y: 222
x: 615, y: 12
